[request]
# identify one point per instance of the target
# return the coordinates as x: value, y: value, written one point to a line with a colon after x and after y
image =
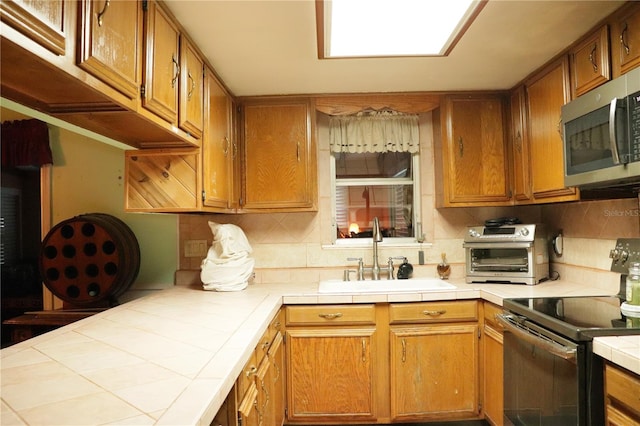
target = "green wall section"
x: 88, y: 177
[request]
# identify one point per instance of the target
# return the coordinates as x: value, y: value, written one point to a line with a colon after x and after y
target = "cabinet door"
x: 279, y: 158
x: 520, y: 146
x: 41, y: 21
x: 625, y: 39
x: 217, y: 149
x: 474, y: 151
x: 275, y: 380
x: 162, y: 63
x: 493, y: 405
x: 107, y: 28
x: 590, y: 62
x: 330, y: 375
x: 434, y: 372
x: 546, y: 93
x: 191, y: 89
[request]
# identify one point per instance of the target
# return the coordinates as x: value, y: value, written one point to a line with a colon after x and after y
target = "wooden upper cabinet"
x: 547, y: 91
x: 625, y: 39
x: 474, y: 151
x: 162, y: 63
x: 41, y: 21
x: 590, y: 62
x: 110, y: 43
x: 162, y: 180
x: 218, y: 148
x: 520, y: 146
x: 279, y: 158
x: 191, y: 88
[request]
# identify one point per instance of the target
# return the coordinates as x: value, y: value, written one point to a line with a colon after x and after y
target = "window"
x: 381, y: 185
x: 375, y: 171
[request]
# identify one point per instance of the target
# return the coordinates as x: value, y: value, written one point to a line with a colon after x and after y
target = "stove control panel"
x: 626, y: 252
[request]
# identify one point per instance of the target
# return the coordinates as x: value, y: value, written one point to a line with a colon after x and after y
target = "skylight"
x: 383, y: 28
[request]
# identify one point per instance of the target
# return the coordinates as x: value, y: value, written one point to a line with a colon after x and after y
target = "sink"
x: 384, y: 286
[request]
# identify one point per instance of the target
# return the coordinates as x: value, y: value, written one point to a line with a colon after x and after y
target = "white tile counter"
x: 171, y: 358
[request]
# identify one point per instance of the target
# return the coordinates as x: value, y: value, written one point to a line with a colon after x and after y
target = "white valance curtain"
x: 378, y: 131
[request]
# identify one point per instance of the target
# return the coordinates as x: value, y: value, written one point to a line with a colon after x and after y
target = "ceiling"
x: 268, y: 47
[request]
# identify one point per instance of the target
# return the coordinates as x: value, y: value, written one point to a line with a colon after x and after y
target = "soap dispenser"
x: 405, y: 270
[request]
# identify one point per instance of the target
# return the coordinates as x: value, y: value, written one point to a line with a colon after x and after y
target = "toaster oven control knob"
x: 474, y: 233
x: 524, y: 232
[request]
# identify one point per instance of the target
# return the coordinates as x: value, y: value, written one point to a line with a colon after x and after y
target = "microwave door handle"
x: 612, y: 131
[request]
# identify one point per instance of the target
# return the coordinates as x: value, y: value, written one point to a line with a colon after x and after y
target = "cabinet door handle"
x: 518, y: 141
x: 623, y: 38
x: 592, y: 57
x: 252, y: 371
x: 102, y: 12
x: 404, y: 350
x: 193, y: 86
x: 330, y: 316
x: 225, y: 146
x: 177, y: 68
x: 364, y: 350
x: 461, y: 146
x: 435, y: 313
x: 298, y: 151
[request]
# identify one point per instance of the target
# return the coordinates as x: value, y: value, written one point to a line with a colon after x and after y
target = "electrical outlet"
x: 195, y: 248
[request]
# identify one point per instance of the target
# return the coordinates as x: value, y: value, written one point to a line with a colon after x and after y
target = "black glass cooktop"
x: 577, y: 318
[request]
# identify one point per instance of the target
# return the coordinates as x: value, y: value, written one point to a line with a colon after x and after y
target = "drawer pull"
x: 435, y: 313
x: 330, y: 316
x: 252, y: 371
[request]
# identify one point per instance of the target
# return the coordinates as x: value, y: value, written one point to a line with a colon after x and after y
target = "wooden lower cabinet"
x: 622, y: 405
x: 434, y: 361
x: 383, y: 363
x: 331, y: 359
x: 492, y: 363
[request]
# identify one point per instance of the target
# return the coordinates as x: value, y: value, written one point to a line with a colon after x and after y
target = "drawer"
x: 490, y: 312
x: 331, y: 315
x: 623, y: 386
x: 429, y: 312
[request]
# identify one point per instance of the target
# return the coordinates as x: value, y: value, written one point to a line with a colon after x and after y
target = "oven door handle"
x: 510, y: 323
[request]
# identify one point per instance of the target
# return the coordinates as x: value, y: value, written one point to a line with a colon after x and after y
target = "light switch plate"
x: 195, y: 248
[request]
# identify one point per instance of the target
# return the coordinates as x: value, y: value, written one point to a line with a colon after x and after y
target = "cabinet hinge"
x: 479, y: 333
x: 143, y: 91
x: 145, y: 5
x: 204, y: 195
x: 239, y: 419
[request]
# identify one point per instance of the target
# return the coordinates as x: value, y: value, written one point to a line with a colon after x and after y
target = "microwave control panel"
x: 626, y: 252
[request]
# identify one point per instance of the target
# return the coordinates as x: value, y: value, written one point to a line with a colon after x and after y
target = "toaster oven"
x: 510, y: 254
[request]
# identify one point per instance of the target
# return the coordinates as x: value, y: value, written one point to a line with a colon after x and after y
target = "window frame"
x: 387, y: 241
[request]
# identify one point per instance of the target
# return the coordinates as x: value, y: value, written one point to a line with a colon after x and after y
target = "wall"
x: 297, y: 246
x: 87, y: 177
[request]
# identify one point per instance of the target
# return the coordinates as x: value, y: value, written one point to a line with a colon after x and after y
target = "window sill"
x: 367, y: 243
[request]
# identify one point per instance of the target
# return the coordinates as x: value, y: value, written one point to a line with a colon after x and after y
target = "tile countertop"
x: 170, y: 358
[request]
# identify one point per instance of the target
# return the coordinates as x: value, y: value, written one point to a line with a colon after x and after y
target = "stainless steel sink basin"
x: 384, y: 286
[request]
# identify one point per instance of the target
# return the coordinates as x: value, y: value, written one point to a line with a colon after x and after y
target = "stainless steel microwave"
x: 601, y: 134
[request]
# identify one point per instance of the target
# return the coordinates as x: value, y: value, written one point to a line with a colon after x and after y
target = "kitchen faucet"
x: 377, y: 238
x: 375, y: 268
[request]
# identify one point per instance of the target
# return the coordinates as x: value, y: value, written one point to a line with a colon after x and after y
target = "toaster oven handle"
x: 613, y: 141
x: 510, y: 323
